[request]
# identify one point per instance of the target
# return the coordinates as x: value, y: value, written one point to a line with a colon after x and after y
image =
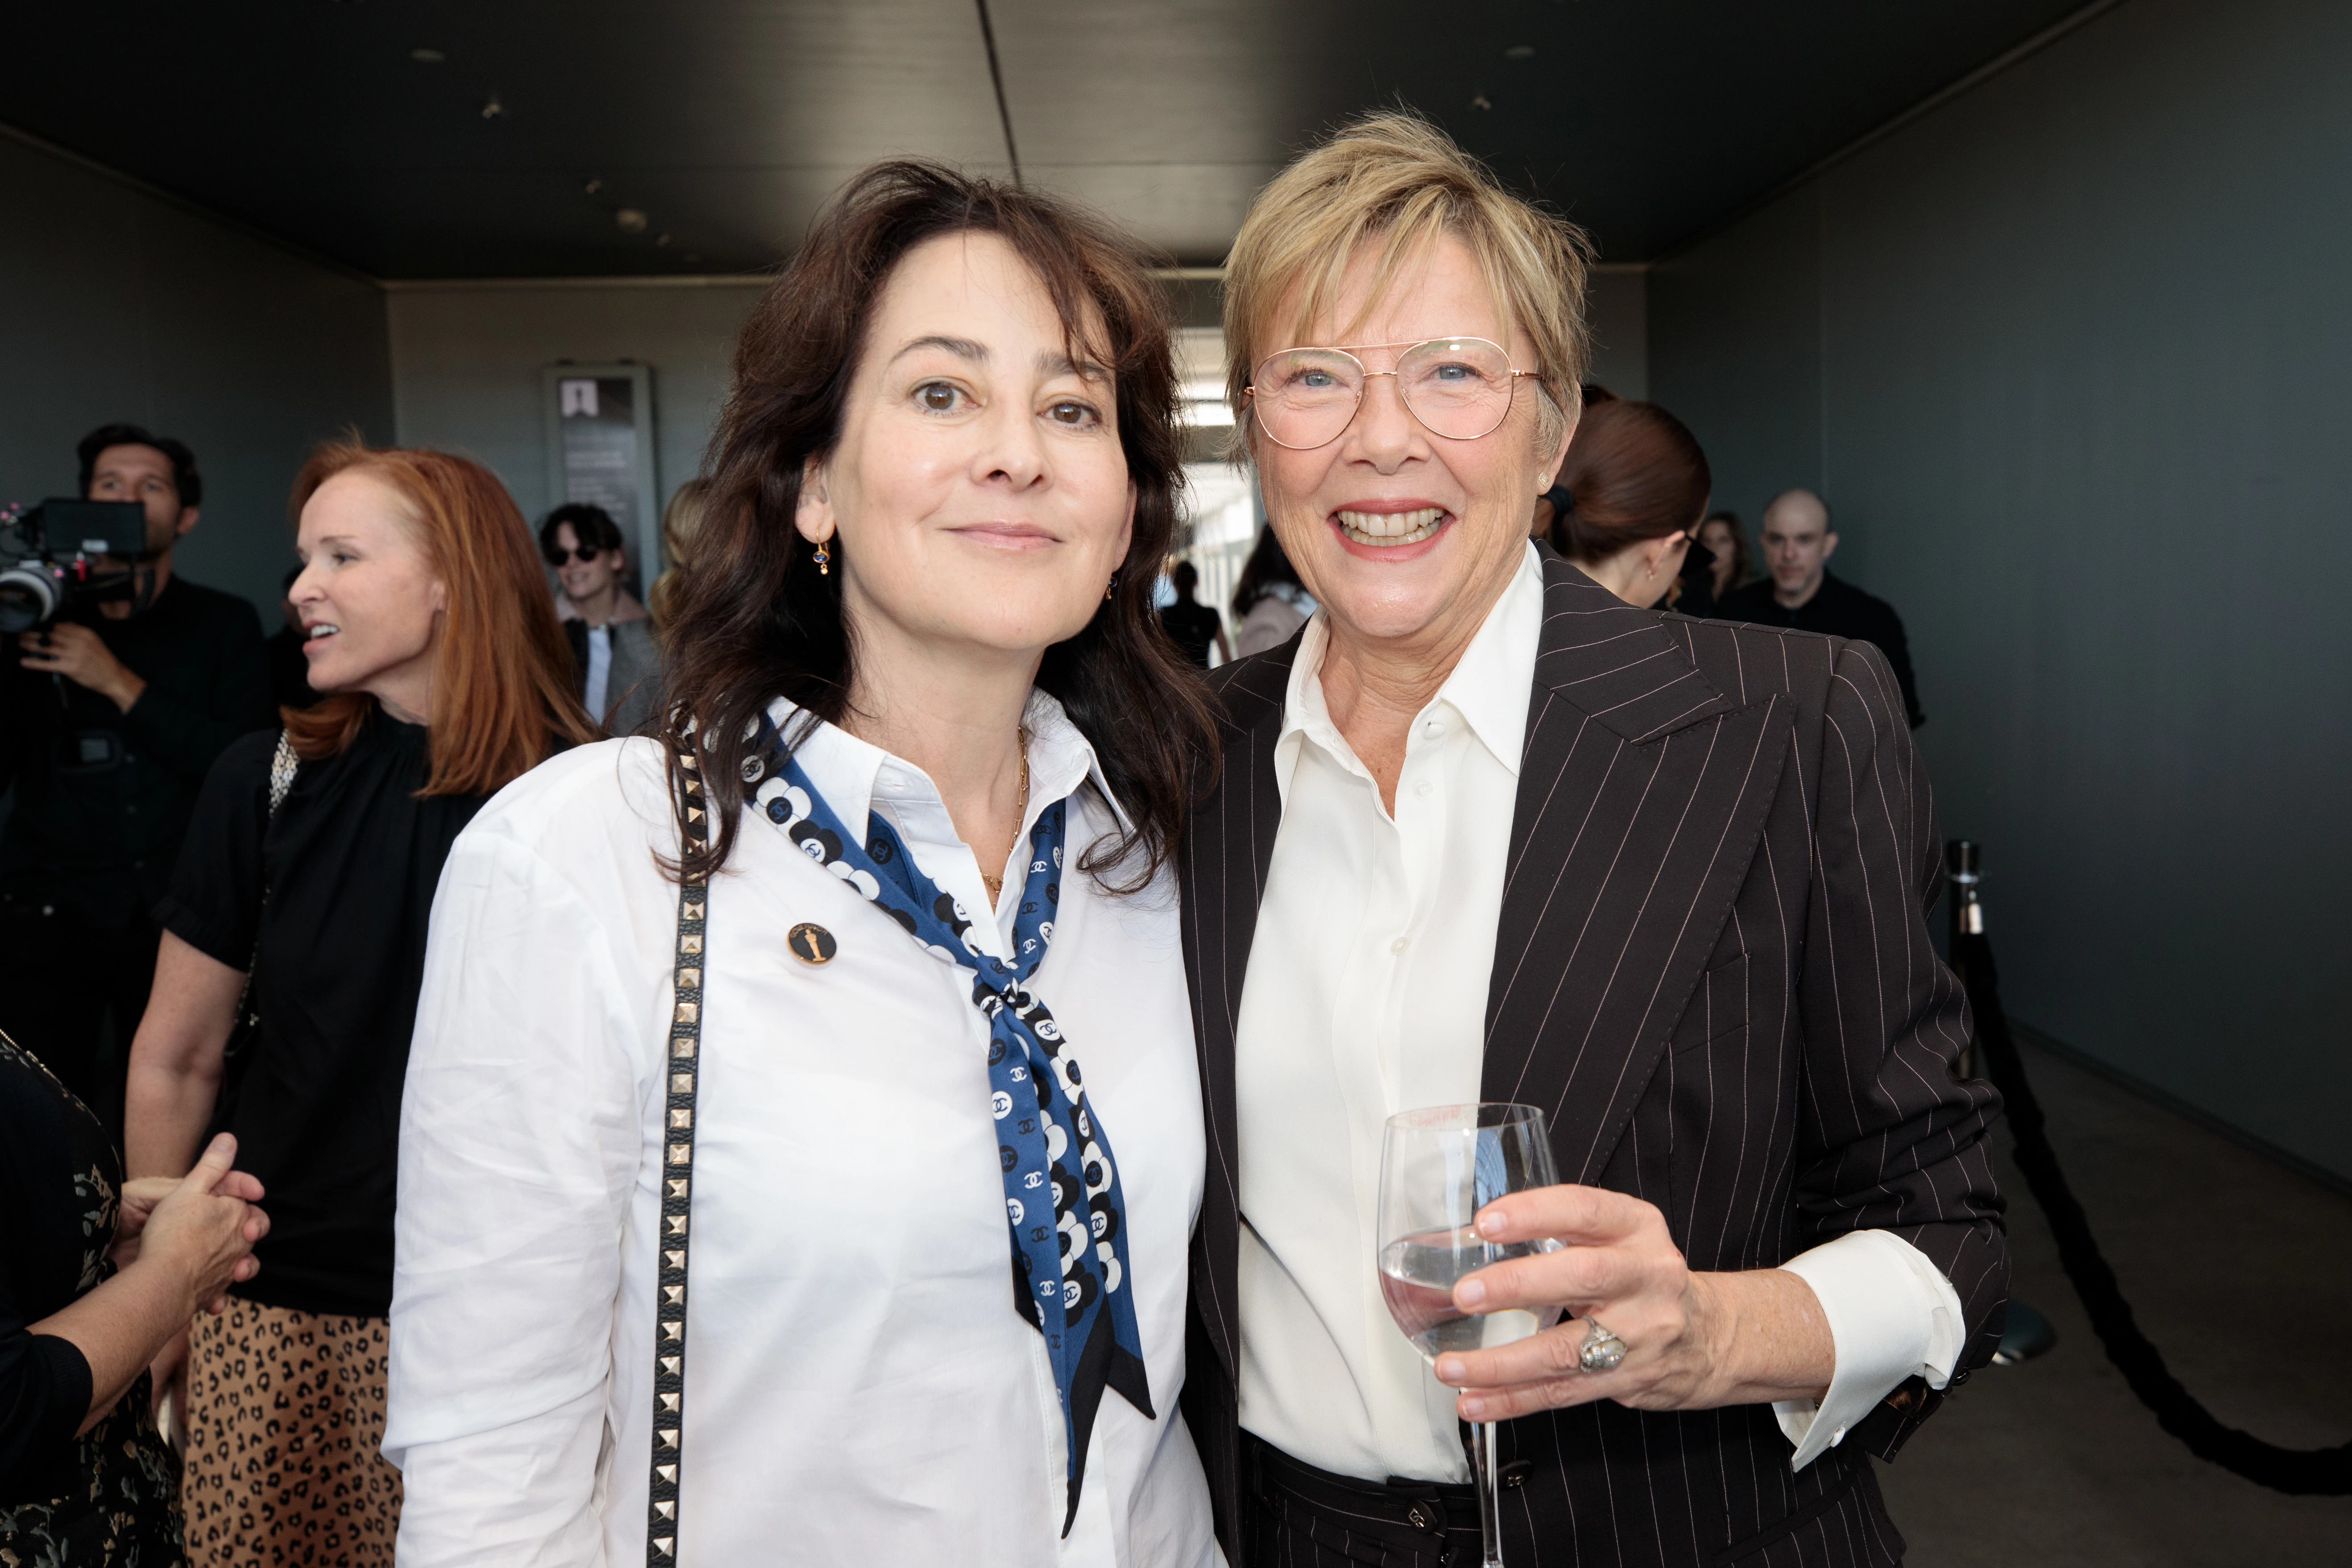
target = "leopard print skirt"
x: 284, y: 1428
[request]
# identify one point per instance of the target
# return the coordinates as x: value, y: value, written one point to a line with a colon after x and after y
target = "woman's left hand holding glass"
x: 1694, y: 1341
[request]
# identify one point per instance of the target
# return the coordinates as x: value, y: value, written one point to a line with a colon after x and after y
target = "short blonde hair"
x: 1392, y: 176
x: 681, y: 521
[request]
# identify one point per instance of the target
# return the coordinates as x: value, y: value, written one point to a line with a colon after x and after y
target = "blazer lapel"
x: 1643, y: 792
x: 1227, y: 852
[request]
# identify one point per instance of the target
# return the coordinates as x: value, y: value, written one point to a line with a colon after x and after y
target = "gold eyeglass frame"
x: 1249, y: 392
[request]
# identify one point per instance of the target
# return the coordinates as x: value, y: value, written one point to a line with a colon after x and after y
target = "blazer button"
x: 1517, y: 1472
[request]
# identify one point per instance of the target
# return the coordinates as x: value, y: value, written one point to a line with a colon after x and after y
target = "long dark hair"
x: 754, y: 619
x: 1633, y: 472
x: 1266, y: 566
x: 1743, y: 565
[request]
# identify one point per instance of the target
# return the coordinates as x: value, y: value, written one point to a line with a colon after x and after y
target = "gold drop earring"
x: 1110, y: 588
x: 823, y: 560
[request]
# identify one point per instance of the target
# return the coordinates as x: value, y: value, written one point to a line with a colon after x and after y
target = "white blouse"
x: 860, y: 1386
x: 1366, y: 996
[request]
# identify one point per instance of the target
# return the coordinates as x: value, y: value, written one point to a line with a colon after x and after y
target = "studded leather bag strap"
x: 676, y: 1178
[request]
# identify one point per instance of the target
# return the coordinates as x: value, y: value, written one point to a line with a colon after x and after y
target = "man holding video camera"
x: 111, y: 715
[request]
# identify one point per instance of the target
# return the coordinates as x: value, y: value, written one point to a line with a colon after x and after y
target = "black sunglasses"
x: 558, y: 556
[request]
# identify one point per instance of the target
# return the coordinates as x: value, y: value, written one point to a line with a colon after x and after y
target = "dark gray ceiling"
x: 727, y: 121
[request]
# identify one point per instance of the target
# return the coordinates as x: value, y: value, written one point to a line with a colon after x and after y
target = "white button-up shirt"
x: 1366, y: 996
x: 600, y: 668
x: 860, y: 1386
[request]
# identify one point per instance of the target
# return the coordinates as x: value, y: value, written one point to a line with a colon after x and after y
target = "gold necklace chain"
x: 995, y: 885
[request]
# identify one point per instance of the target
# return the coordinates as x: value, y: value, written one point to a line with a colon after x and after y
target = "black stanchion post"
x: 1961, y: 879
x: 2027, y: 1332
x: 2311, y: 1472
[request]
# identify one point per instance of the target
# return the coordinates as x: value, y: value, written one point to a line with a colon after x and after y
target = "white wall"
x: 118, y: 304
x: 466, y: 362
x: 2069, y: 357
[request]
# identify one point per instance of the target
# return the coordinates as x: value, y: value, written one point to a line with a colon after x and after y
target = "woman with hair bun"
x: 297, y: 921
x: 1635, y: 485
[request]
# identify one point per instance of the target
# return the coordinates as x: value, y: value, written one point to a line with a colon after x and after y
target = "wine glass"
x: 1439, y: 1167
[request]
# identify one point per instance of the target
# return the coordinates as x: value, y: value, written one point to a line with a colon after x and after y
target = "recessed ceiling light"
x: 630, y: 220
x: 428, y: 57
x: 1482, y: 101
x: 492, y: 107
x: 592, y: 186
x: 1520, y: 52
x: 661, y: 239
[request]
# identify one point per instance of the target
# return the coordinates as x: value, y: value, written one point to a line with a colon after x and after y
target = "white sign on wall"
x: 600, y: 450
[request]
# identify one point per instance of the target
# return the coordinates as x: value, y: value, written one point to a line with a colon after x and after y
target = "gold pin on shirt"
x: 812, y: 944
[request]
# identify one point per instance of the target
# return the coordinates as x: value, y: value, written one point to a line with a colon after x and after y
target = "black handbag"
x: 244, y: 1030
x: 677, y: 1180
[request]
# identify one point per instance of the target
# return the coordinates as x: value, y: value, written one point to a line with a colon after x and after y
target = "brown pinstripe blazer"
x: 1712, y: 971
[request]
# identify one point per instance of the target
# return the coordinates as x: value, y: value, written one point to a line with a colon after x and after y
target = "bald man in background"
x: 1801, y: 592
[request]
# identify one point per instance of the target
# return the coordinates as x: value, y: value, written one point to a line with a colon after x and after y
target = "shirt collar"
x: 1489, y: 687
x: 850, y: 773
x: 857, y: 778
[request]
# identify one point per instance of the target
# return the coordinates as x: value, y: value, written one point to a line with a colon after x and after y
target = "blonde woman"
x: 1489, y: 831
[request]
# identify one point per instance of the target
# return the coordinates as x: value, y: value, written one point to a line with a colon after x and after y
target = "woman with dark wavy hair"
x: 1732, y: 565
x: 897, y: 863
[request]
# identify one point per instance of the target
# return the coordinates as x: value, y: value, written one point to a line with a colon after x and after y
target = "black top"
x: 1697, y: 584
x: 350, y: 862
x: 1192, y: 627
x: 58, y: 1177
x: 1837, y: 609
x: 103, y: 796
x: 1697, y: 600
x: 109, y: 1496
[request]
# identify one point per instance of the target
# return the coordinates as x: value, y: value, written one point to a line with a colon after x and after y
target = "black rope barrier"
x: 2325, y: 1472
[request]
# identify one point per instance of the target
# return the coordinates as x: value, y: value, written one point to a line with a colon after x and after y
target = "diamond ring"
x: 1602, y: 1350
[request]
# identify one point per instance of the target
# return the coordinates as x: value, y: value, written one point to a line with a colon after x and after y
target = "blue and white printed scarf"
x: 1062, y: 1196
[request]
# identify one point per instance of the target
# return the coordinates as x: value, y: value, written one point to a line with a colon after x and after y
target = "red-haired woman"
x: 428, y: 621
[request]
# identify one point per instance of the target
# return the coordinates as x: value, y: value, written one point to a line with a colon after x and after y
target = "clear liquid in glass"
x: 1439, y: 1166
x: 1417, y: 1278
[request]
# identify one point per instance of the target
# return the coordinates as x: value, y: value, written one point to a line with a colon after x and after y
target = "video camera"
x: 50, y: 555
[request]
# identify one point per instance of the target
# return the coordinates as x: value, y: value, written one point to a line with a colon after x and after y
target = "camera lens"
x: 27, y: 598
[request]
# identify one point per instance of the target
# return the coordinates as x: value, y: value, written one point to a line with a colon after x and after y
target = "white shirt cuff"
x: 1892, y: 1316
